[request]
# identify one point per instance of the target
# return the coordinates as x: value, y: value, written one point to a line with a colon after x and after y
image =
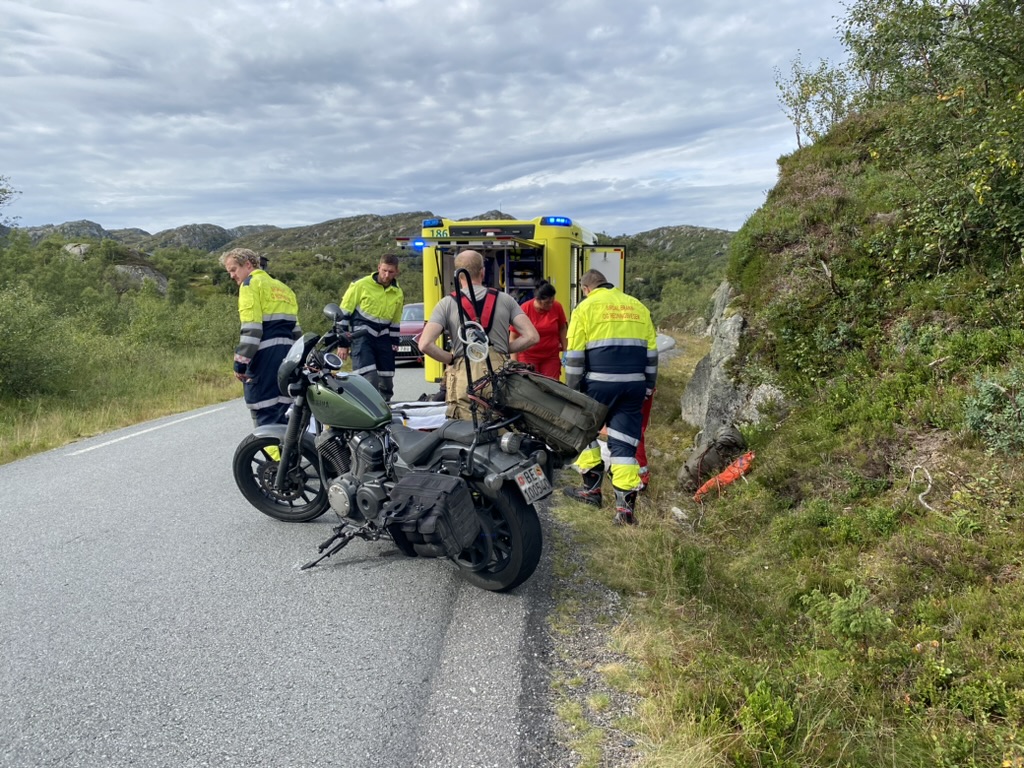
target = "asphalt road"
x: 150, y: 617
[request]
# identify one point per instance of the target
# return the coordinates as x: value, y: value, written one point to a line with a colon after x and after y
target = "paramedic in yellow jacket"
x: 372, y: 310
x: 270, y: 323
x: 612, y: 356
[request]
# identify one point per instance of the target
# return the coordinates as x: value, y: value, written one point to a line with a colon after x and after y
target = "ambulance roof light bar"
x: 498, y: 241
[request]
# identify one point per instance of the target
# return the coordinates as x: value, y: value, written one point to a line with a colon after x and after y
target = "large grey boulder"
x: 719, y: 303
x: 713, y: 399
x: 136, y: 268
x: 137, y: 274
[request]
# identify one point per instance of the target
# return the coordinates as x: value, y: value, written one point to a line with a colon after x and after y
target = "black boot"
x: 590, y: 491
x: 625, y: 507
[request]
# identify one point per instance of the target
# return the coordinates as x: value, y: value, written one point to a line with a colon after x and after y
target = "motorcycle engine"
x: 330, y: 444
x: 358, y: 495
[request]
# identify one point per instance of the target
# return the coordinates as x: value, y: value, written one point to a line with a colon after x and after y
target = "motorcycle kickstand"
x: 344, y: 532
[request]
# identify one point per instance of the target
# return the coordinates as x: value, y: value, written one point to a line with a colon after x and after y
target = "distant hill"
x: 204, y: 237
x: 368, y: 231
x: 360, y: 231
x: 683, y: 262
x: 353, y: 231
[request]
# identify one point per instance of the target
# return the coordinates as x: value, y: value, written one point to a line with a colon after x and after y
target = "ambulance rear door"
x: 609, y: 260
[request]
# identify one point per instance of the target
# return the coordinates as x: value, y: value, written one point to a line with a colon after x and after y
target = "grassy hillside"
x: 857, y: 602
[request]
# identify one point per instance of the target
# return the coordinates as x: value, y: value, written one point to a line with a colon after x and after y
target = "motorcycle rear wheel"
x: 507, y: 551
x: 304, y: 497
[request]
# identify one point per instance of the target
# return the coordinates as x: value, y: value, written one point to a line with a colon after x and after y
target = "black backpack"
x: 710, y: 458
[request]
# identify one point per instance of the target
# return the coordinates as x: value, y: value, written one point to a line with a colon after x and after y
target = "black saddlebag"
x: 432, y: 515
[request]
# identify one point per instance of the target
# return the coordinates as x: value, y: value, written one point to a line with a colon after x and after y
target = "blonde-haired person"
x: 269, y: 315
x: 494, y: 310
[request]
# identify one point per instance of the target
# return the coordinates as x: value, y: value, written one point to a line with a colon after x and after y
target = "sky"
x: 625, y: 115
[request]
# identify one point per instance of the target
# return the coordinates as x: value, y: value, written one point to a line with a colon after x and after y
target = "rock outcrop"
x: 137, y: 274
x: 203, y: 237
x: 713, y: 398
x: 136, y: 267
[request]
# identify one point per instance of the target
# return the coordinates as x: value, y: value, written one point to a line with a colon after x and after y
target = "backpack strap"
x: 483, y: 313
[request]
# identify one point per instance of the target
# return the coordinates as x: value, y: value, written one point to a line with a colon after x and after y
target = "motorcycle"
x: 465, y: 491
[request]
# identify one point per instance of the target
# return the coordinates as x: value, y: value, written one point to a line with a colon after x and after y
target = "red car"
x: 412, y: 326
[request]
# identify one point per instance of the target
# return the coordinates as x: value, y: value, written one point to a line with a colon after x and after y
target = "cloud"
x: 626, y: 116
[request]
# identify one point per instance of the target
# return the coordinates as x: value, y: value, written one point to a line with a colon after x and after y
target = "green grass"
x: 165, y: 385
x: 837, y: 609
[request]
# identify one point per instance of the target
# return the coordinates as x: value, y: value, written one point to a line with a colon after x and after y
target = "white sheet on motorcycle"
x: 422, y: 416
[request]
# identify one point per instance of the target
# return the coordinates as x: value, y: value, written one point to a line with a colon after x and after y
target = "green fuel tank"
x: 348, y: 401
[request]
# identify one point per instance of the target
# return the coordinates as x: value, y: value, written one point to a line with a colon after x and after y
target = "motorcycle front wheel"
x: 507, y: 551
x: 304, y: 496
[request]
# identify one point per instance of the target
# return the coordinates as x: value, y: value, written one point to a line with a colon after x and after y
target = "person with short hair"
x: 495, y: 311
x: 612, y: 356
x: 372, y: 310
x: 548, y: 317
x: 269, y: 315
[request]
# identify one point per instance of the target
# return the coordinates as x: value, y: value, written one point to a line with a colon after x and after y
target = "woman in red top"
x: 548, y: 317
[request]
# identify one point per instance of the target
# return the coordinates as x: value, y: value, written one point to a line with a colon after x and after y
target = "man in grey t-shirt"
x: 496, y: 312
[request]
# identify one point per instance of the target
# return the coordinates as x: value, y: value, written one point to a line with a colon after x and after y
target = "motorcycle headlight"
x: 294, y: 358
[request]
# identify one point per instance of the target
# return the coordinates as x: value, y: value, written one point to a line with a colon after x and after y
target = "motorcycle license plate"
x: 533, y: 483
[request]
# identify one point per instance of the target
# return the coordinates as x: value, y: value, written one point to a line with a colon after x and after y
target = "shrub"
x: 995, y: 413
x: 31, y: 339
x: 767, y: 720
x: 851, y: 619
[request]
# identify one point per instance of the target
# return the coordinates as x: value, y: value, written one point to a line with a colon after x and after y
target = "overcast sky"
x: 624, y: 114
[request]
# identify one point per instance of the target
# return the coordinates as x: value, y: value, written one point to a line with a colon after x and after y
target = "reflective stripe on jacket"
x: 269, y: 315
x: 371, y: 309
x: 611, y: 339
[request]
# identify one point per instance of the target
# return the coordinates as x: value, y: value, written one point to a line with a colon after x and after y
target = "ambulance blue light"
x: 417, y: 245
x: 556, y: 221
x: 432, y: 223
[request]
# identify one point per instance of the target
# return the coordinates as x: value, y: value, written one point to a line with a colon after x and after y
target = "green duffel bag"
x: 567, y: 420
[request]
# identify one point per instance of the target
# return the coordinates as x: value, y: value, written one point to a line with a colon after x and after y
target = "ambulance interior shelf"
x: 522, y: 273
x: 515, y: 271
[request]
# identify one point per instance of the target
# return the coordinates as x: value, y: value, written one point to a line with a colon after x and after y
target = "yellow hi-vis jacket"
x: 371, y: 309
x: 269, y: 314
x: 611, y: 338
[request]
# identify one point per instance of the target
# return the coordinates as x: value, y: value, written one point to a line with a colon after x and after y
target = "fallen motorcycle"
x: 465, y: 491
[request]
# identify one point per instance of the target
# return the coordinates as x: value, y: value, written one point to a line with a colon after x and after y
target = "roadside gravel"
x: 575, y: 646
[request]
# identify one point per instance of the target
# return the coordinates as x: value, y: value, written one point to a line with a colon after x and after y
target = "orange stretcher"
x: 730, y: 474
